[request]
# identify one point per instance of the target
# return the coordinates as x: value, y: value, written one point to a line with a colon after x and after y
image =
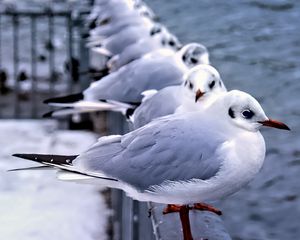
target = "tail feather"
x: 65, y: 99
x: 59, y: 161
x: 46, y: 158
x: 64, y: 112
x: 89, y: 106
x: 103, y: 51
x: 30, y: 168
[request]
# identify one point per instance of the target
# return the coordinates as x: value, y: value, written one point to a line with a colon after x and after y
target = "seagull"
x: 113, y: 14
x: 105, y: 24
x: 159, y: 38
x: 107, y: 30
x: 202, y: 85
x: 180, y: 159
x: 118, y: 42
x: 153, y: 71
x: 108, y: 9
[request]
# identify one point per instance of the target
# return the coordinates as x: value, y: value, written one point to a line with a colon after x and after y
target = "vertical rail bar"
x: 15, y: 20
x: 51, y: 53
x: 34, y: 105
x: 135, y: 220
x: 127, y: 218
x: 84, y: 79
x: 0, y: 41
x: 70, y: 50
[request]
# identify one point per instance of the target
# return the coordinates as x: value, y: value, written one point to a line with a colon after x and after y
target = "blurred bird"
x: 153, y: 71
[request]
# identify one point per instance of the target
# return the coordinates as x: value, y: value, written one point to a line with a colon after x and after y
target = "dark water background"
x: 255, y: 45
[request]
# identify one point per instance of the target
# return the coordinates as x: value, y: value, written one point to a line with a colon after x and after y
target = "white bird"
x: 202, y: 85
x: 178, y: 159
x: 109, y: 8
x: 118, y: 42
x: 107, y: 30
x: 103, y: 25
x: 159, y: 38
x: 153, y: 71
x: 112, y: 15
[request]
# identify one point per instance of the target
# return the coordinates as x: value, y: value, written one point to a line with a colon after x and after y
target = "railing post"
x: 51, y: 49
x: 0, y: 41
x: 70, y: 50
x: 34, y: 106
x: 15, y: 20
x: 84, y: 57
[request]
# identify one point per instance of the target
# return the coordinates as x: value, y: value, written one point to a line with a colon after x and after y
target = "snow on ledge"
x: 34, y: 204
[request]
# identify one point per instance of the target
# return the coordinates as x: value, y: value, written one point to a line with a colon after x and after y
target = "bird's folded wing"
x: 163, y: 103
x: 168, y: 149
x: 127, y: 84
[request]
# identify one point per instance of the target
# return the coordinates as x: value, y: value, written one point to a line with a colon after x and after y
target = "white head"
x: 163, y: 35
x: 203, y: 81
x: 144, y: 10
x: 241, y: 110
x: 193, y: 54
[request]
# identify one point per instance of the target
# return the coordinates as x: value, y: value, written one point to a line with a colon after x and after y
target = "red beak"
x: 199, y: 94
x: 274, y: 124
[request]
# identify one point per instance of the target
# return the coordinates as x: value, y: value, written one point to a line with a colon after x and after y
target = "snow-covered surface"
x: 34, y: 204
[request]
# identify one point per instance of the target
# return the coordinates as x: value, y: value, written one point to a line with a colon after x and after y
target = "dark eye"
x: 172, y: 43
x: 247, y: 114
x: 194, y: 60
x: 212, y: 84
x: 231, y: 113
x: 191, y: 85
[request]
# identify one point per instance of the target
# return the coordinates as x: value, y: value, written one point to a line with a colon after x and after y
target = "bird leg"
x: 184, y: 215
x: 185, y: 222
x: 206, y: 207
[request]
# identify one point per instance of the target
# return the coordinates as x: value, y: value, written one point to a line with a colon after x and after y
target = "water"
x: 256, y: 47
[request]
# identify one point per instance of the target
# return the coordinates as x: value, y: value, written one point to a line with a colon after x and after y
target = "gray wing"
x: 120, y: 41
x: 167, y: 149
x: 136, y: 51
x: 127, y: 84
x: 114, y: 28
x: 163, y: 103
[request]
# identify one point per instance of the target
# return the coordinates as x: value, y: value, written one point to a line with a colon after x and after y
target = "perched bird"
x: 159, y: 38
x: 202, y: 85
x: 153, y: 71
x: 118, y: 42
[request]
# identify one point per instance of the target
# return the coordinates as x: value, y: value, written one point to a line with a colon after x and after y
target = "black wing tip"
x: 28, y: 168
x: 28, y: 156
x: 47, y: 158
x: 65, y: 99
x: 48, y: 114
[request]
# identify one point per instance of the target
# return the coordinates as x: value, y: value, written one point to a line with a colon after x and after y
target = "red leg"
x: 184, y: 217
x: 171, y: 208
x: 206, y: 207
x: 185, y: 222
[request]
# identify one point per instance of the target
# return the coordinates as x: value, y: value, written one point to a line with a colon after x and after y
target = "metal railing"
x: 30, y: 67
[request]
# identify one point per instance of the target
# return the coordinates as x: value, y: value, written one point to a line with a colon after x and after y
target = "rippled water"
x: 256, y: 47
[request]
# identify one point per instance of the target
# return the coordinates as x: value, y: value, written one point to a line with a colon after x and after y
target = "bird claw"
x: 171, y: 208
x: 206, y: 207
